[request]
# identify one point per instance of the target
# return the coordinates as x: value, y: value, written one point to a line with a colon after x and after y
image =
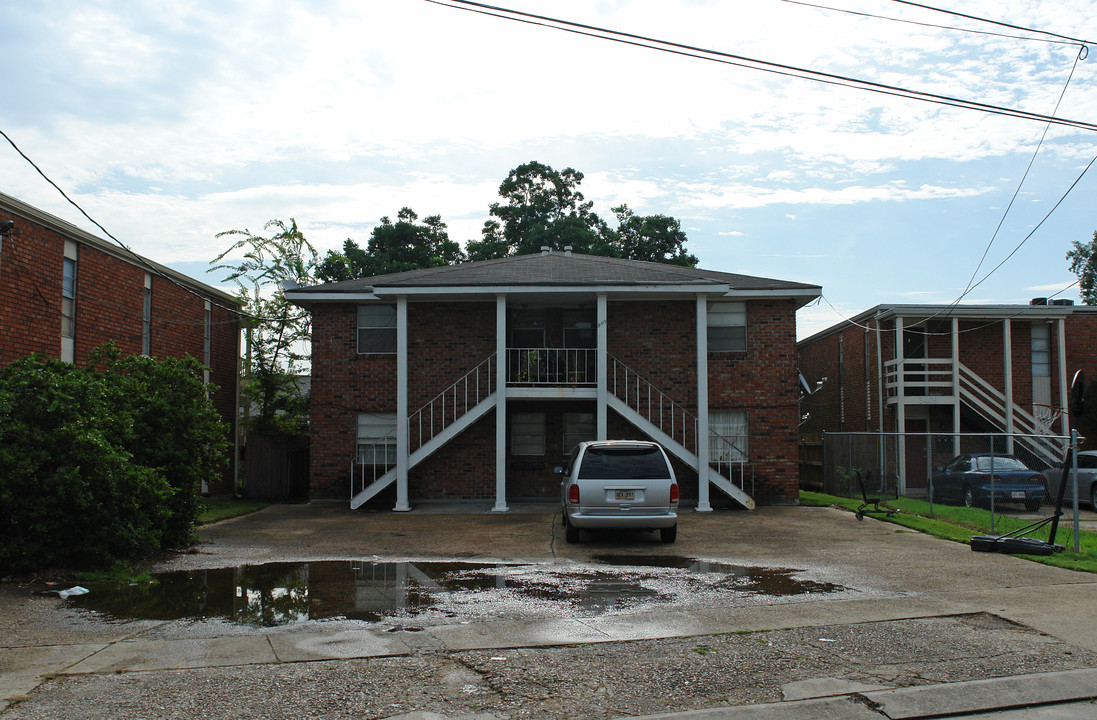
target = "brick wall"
x: 109, y: 306
x: 982, y: 350
x: 654, y: 339
x: 30, y: 291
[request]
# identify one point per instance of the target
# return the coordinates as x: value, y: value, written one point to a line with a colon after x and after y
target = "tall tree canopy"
x: 394, y: 247
x: 1083, y: 263
x: 655, y: 238
x: 543, y: 207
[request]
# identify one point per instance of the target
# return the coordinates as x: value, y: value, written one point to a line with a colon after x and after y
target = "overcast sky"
x: 171, y: 122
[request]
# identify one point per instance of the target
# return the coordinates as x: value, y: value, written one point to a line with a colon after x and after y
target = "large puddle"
x: 286, y: 593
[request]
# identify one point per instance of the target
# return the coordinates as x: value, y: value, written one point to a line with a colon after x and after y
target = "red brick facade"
x: 109, y: 306
x: 656, y: 339
x: 847, y: 356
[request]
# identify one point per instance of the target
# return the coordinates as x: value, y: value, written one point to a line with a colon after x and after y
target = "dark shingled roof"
x: 557, y: 270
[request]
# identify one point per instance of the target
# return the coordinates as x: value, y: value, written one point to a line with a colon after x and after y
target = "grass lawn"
x: 960, y: 524
x: 214, y: 510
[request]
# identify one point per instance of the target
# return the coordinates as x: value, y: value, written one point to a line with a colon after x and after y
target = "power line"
x: 142, y: 262
x: 969, y: 287
x: 1027, y: 309
x: 993, y: 22
x: 936, y: 26
x: 699, y: 53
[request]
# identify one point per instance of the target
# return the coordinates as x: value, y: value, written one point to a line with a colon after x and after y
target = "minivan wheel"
x: 1093, y: 496
x: 668, y: 534
x: 571, y: 533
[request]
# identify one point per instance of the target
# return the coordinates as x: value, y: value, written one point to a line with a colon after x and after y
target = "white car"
x: 1087, y: 480
x: 619, y: 484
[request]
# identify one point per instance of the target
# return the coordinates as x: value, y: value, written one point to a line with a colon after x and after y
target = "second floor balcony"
x: 541, y: 366
x: 920, y: 377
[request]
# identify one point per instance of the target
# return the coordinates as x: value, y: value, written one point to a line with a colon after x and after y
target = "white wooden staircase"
x: 639, y: 402
x: 430, y: 427
x: 675, y: 428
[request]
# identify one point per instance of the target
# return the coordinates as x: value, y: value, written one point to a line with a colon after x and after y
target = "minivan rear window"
x: 623, y: 463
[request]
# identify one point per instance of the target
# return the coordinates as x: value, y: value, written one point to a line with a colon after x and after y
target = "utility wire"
x: 993, y: 22
x: 1027, y: 309
x: 142, y: 262
x: 969, y: 287
x: 751, y: 63
x: 936, y: 26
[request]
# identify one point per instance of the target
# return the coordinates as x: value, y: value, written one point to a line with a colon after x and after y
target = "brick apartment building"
x: 64, y: 292
x: 474, y: 381
x: 946, y: 371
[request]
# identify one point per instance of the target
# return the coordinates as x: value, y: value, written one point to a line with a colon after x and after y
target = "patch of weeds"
x: 117, y: 573
x: 215, y: 510
x: 704, y: 650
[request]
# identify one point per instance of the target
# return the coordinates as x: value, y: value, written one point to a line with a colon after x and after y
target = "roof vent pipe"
x: 567, y: 250
x: 546, y: 250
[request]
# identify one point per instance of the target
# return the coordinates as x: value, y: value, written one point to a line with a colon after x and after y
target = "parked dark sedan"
x: 971, y: 479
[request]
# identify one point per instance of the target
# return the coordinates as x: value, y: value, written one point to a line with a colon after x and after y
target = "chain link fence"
x: 1014, y: 475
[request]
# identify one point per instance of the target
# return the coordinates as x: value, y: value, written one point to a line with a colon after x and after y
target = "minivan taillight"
x: 674, y: 493
x: 573, y: 494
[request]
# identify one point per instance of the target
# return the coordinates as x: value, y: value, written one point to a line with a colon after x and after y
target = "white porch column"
x: 956, y: 386
x: 1007, y: 354
x: 500, y: 404
x: 702, y: 404
x: 402, y: 452
x: 900, y: 405
x: 603, y: 370
x: 1064, y: 389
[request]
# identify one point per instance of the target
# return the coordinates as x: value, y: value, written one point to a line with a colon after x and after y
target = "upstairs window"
x: 146, y: 318
x: 1041, y: 350
x: 376, y: 329
x: 68, y: 298
x: 527, y: 329
x: 727, y: 327
x: 68, y: 303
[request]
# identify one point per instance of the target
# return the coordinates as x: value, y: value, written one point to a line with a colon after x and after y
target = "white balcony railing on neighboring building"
x: 911, y: 377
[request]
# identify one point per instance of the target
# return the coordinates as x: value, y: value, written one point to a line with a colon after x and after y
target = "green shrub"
x: 101, y: 466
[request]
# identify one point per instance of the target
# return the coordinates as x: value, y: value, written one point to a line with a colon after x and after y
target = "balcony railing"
x: 552, y: 366
x: 918, y: 377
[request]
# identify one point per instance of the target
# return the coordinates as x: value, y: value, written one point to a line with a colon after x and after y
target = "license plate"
x: 1017, y: 494
x: 624, y: 494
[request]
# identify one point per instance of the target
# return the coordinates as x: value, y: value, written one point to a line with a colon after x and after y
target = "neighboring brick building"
x: 65, y: 292
x: 408, y: 369
x: 945, y: 370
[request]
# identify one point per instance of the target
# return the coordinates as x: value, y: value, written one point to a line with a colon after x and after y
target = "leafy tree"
x: 394, y: 247
x: 101, y: 466
x: 176, y: 431
x: 543, y: 207
x: 654, y: 238
x: 1083, y: 263
x: 280, y: 333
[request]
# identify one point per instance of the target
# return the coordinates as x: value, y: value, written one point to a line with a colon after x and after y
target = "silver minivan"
x: 625, y: 484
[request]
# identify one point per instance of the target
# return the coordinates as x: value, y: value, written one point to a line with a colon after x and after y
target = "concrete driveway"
x: 924, y: 627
